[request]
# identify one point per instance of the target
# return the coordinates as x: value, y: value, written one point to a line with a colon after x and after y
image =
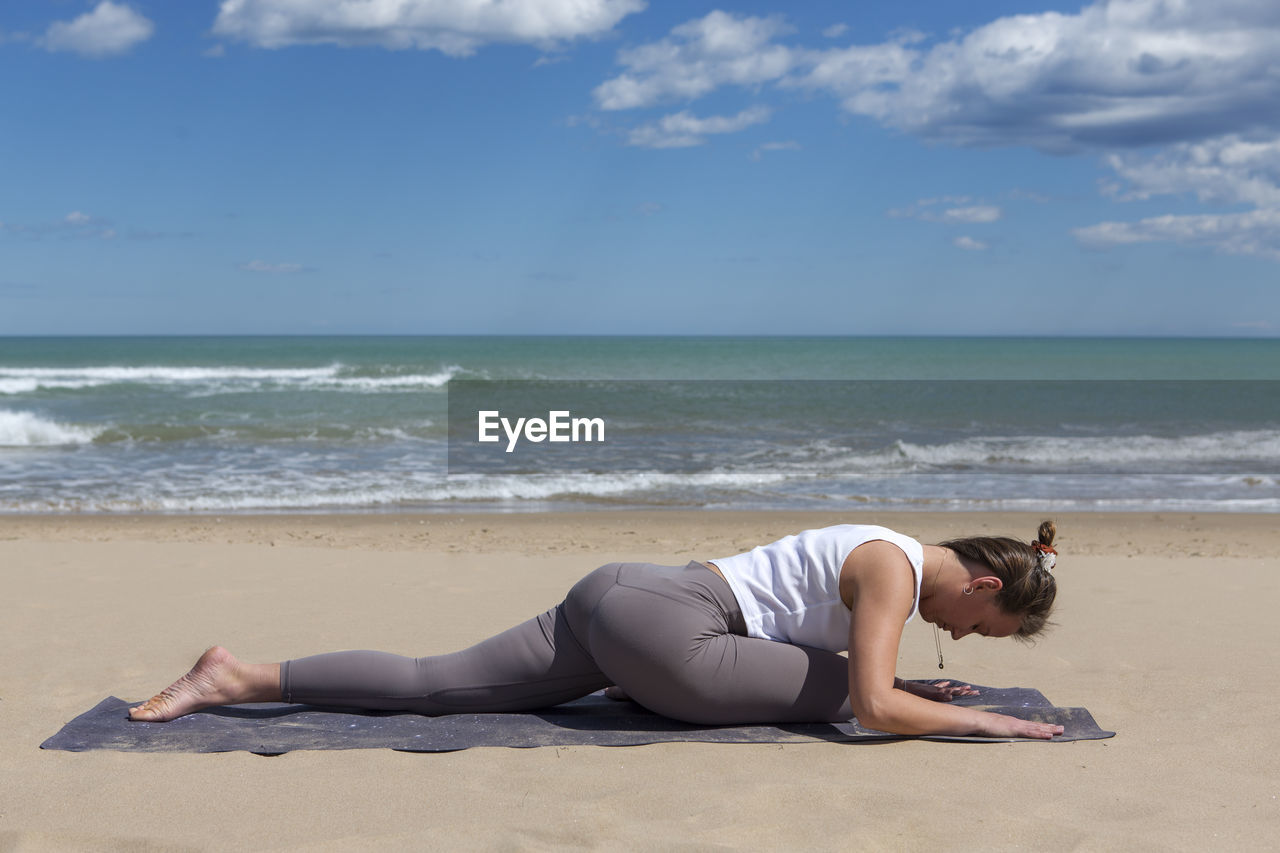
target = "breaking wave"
x: 26, y: 429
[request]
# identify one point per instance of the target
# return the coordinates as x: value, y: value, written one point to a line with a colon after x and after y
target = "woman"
x: 751, y: 638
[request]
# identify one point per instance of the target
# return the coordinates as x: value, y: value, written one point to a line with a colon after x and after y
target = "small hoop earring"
x: 968, y: 590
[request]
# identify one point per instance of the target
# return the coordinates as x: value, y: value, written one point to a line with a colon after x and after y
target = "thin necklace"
x: 937, y: 636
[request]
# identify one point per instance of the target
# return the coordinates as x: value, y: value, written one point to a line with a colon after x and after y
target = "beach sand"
x: 1166, y: 632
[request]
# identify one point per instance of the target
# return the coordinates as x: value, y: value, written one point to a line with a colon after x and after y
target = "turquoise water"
x: 361, y: 424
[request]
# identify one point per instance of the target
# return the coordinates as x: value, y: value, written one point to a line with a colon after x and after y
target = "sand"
x: 1166, y: 633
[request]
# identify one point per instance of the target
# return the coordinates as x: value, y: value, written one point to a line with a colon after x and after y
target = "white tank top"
x: 789, y: 590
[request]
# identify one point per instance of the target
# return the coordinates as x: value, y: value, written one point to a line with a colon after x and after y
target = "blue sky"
x: 622, y: 166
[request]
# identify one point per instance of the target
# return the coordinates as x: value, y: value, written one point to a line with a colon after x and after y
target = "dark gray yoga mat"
x: 274, y: 728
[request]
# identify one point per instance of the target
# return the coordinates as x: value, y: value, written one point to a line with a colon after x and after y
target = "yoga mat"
x: 275, y: 728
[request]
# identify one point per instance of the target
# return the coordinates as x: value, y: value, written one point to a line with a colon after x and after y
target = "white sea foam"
x: 21, y: 384
x: 409, y: 381
x: 243, y: 490
x: 1241, y: 445
x: 25, y: 429
x: 300, y: 483
x: 216, y: 379
x: 393, y: 497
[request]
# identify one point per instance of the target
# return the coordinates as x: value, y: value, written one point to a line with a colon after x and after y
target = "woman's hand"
x: 938, y: 691
x: 1000, y: 725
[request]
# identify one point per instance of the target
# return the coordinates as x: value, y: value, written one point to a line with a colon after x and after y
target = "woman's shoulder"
x: 864, y: 533
x: 871, y: 543
x: 880, y: 565
x: 879, y: 551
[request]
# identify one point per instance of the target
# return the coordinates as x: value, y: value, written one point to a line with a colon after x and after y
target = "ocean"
x: 367, y: 424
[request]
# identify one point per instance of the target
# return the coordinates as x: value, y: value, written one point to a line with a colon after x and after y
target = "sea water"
x: 253, y: 424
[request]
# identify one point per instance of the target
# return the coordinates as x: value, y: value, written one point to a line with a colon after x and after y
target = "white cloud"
x: 1254, y: 233
x: 683, y: 129
x: 1123, y: 73
x: 969, y: 214
x: 1117, y: 74
x: 969, y: 244
x: 267, y: 267
x: 789, y: 145
x: 835, y: 31
x: 75, y: 224
x: 455, y: 27
x: 545, y: 60
x: 110, y: 29
x: 1230, y: 169
x: 723, y: 49
x: 697, y: 58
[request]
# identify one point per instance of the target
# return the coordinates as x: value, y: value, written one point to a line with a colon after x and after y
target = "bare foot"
x: 616, y: 693
x: 214, y: 680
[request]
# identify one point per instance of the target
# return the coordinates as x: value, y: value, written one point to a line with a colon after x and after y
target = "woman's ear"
x: 988, y: 582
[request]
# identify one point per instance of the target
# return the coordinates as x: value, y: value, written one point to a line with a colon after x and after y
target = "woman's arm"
x: 879, y: 586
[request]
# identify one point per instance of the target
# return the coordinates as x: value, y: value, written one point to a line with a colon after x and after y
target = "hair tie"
x: 1046, y: 555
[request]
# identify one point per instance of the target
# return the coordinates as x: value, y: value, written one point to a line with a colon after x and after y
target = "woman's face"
x: 961, y: 615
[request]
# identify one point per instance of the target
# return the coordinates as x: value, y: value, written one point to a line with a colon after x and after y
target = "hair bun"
x: 1046, y: 533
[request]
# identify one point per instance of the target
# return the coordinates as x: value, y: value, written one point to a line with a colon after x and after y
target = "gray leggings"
x: 672, y: 637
